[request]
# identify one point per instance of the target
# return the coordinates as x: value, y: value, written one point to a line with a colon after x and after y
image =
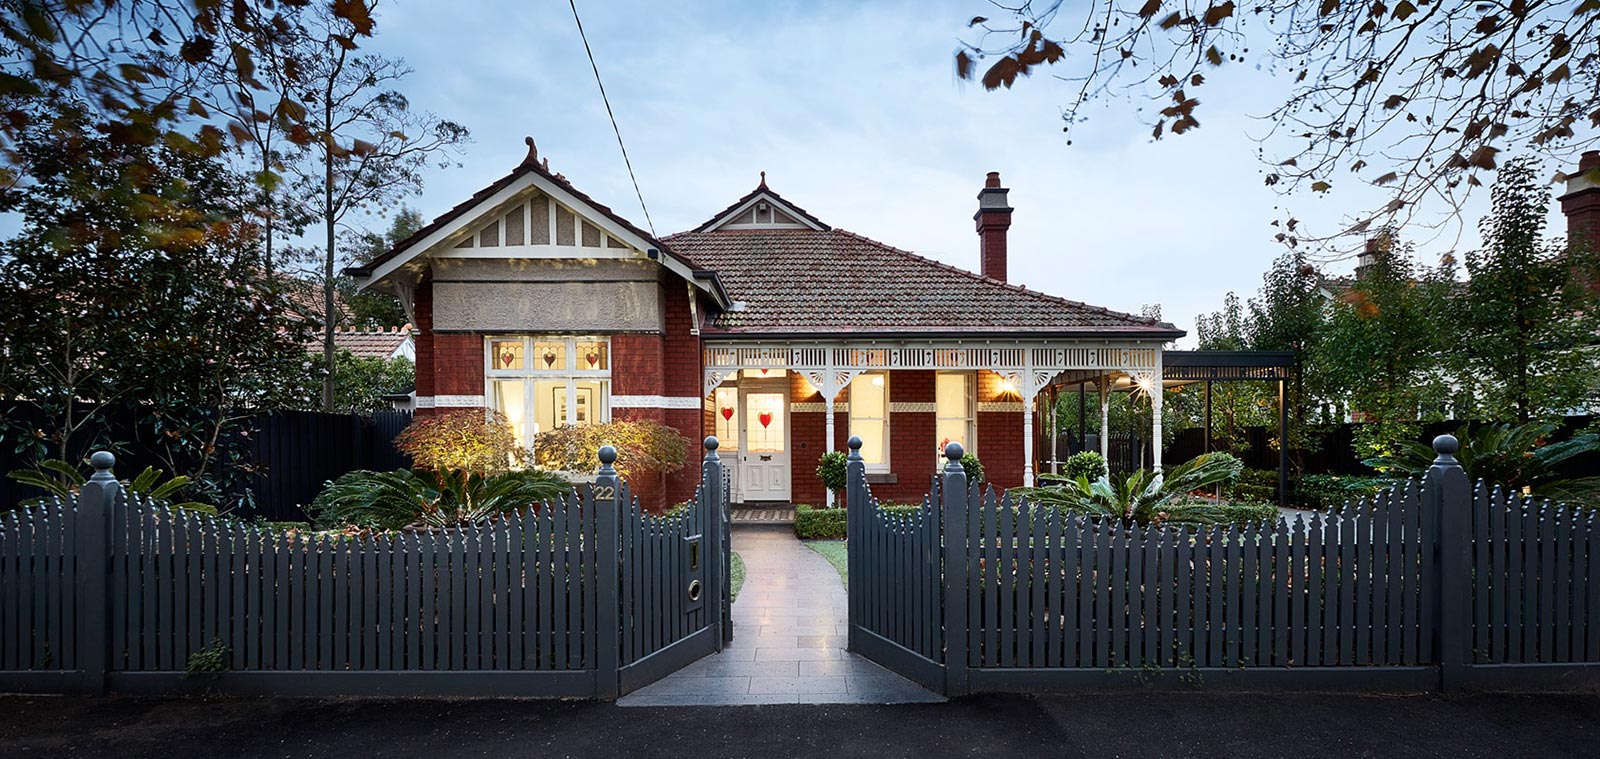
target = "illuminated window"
x: 542, y: 383
x: 954, y: 410
x: 726, y: 409
x: 869, y: 418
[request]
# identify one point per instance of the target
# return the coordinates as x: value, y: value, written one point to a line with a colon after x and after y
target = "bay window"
x: 541, y: 383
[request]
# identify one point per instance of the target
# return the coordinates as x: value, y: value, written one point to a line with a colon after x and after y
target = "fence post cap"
x: 102, y: 461
x: 608, y: 455
x: 954, y: 452
x: 855, y: 448
x: 1446, y: 445
x: 711, y: 443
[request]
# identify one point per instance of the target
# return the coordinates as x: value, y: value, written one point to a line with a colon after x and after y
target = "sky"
x: 855, y: 114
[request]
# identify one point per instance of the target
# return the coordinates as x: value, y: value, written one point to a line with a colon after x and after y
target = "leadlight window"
x: 541, y: 383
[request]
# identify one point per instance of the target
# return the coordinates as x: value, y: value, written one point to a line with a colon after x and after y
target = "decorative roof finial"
x: 763, y: 180
x: 533, y: 151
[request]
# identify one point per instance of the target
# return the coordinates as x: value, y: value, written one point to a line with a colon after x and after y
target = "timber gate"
x: 1431, y: 585
x: 587, y: 595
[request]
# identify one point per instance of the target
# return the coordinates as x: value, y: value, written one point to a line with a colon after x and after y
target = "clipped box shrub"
x: 811, y: 523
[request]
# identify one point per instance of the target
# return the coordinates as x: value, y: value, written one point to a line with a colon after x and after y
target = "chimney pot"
x: 993, y: 180
x: 992, y: 219
x: 1589, y: 160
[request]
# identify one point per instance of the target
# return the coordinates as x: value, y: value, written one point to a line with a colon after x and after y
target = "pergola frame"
x: 1188, y: 367
x: 1029, y: 364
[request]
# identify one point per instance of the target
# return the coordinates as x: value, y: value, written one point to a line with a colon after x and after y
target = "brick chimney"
x: 993, y: 219
x: 1581, y: 203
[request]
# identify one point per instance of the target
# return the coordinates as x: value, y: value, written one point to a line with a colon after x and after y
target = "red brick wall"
x: 911, y: 438
x: 422, y: 311
x: 682, y: 377
x: 807, y: 435
x: 999, y: 435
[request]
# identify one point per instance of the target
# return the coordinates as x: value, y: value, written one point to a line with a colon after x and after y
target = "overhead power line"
x: 610, y: 113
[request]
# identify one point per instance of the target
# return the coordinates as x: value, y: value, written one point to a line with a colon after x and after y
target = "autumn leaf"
x: 1151, y: 8
x: 1321, y: 186
x: 1217, y: 13
x: 357, y: 13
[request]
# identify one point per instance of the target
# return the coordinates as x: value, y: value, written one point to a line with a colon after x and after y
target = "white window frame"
x: 529, y: 376
x: 887, y: 447
x: 970, y: 419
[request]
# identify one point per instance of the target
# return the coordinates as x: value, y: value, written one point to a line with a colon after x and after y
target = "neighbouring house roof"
x: 378, y: 343
x: 793, y: 281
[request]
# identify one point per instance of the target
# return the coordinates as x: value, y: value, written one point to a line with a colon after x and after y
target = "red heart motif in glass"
x: 593, y: 359
x: 549, y: 358
x: 764, y: 372
x: 766, y: 418
x: 507, y: 357
x: 727, y: 412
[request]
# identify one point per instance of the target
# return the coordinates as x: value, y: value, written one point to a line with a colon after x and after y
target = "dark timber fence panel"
x: 1432, y: 584
x: 570, y: 597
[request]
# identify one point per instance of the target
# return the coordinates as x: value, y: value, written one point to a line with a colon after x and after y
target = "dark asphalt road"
x: 1134, y: 725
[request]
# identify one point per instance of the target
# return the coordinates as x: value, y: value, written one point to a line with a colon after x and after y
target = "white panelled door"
x: 764, y: 453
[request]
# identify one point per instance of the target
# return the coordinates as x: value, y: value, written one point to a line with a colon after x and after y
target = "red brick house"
x: 765, y: 326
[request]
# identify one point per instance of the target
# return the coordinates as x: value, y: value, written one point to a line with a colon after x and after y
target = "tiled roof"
x: 760, y: 189
x: 809, y: 281
x: 366, y: 343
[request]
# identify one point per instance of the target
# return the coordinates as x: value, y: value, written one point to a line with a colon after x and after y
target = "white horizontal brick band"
x: 911, y: 407
x: 657, y: 401
x: 1000, y: 406
x: 449, y: 401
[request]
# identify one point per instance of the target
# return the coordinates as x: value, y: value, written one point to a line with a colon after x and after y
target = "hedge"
x: 811, y: 523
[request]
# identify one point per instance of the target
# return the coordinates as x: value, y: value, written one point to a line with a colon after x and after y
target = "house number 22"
x: 605, y: 492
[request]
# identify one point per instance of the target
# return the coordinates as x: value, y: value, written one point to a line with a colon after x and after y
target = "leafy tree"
x: 187, y: 76
x: 132, y: 288
x: 372, y: 309
x: 1526, y: 318
x: 1383, y: 344
x: 368, y: 145
x: 1412, y: 96
x: 360, y: 382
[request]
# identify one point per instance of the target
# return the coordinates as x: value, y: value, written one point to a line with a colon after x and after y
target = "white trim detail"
x: 912, y: 407
x: 1012, y: 406
x: 658, y: 401
x: 816, y: 407
x: 449, y: 401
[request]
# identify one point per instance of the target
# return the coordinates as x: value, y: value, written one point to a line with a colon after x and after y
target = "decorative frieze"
x: 656, y: 401
x: 449, y: 401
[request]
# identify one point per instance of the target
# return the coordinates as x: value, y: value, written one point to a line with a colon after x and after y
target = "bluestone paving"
x: 790, y: 630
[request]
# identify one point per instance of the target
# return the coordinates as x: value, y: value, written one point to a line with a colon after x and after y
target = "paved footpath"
x: 789, y: 640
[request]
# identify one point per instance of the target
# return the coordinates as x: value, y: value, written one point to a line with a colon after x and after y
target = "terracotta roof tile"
x: 806, y: 281
x: 365, y: 343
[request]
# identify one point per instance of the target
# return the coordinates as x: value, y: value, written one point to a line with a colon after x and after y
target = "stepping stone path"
x: 790, y: 627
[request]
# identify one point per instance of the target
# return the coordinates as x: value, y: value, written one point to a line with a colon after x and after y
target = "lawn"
x: 834, y: 552
x: 736, y: 578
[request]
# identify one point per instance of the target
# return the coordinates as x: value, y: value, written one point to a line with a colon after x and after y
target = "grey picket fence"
x: 1429, y: 585
x: 584, y: 595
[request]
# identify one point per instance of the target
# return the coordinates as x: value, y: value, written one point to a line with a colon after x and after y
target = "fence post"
x: 604, y: 494
x: 1447, y: 500
x: 953, y: 506
x: 718, y: 561
x: 856, y: 513
x: 92, y: 550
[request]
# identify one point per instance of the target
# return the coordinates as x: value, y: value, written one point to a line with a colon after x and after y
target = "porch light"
x: 1009, y: 389
x: 1145, y: 383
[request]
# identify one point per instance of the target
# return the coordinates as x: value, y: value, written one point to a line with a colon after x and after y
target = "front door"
x: 764, y: 451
